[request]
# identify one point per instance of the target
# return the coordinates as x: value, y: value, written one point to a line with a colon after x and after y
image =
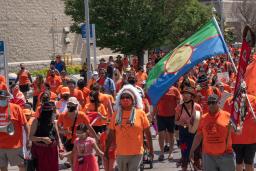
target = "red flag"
x: 243, y: 62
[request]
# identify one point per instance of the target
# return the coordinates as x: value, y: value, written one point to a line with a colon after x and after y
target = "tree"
x: 133, y: 26
x: 247, y: 13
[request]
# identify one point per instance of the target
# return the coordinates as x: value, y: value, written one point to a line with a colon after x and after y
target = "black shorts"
x: 166, y: 123
x: 24, y: 88
x: 99, y: 129
x: 244, y: 153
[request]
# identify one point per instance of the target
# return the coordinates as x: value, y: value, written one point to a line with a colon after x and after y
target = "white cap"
x: 73, y: 100
x: 95, y: 73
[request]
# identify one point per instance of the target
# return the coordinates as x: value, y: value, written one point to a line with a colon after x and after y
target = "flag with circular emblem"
x: 206, y: 43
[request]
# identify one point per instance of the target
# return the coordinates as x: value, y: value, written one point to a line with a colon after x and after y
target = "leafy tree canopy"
x: 131, y: 26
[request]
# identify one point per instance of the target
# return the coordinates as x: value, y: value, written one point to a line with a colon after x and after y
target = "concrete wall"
x: 29, y: 28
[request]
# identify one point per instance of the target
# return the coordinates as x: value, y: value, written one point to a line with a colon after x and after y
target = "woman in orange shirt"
x: 24, y: 79
x: 96, y: 106
x: 37, y: 86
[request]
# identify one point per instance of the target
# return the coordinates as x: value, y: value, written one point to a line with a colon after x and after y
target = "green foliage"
x: 131, y: 26
x: 71, y: 70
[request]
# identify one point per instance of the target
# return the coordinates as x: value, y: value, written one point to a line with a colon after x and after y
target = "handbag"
x: 68, y: 142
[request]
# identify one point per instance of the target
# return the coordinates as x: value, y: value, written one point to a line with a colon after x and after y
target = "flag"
x: 238, y: 110
x: 243, y: 63
x: 204, y: 44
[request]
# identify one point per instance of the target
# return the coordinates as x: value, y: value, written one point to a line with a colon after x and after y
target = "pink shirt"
x: 84, y: 147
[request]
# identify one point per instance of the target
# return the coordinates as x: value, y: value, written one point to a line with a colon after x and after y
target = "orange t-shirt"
x: 54, y: 82
x: 90, y: 107
x: 214, y: 130
x: 18, y: 119
x: 23, y: 77
x: 167, y: 104
x: 36, y: 91
x: 66, y: 122
x: 90, y: 83
x: 86, y: 92
x: 78, y: 94
x: 203, y: 95
x: 53, y: 97
x: 3, y: 86
x: 141, y: 77
x: 129, y: 139
x: 248, y: 135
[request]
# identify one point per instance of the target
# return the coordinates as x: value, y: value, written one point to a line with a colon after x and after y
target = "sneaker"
x: 161, y: 157
x: 166, y: 148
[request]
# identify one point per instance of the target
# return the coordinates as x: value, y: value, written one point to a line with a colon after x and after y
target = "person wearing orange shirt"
x: 127, y: 126
x: 54, y: 81
x: 24, y: 79
x: 2, y: 83
x: 94, y: 79
x: 166, y: 119
x: 204, y: 91
x: 12, y: 120
x: 37, y: 86
x: 102, y: 64
x: 141, y: 77
x: 95, y: 106
x: 214, y: 132
x: 81, y: 85
x: 75, y: 92
x: 52, y: 95
x: 244, y: 143
x: 61, y: 105
x: 18, y: 97
x: 64, y: 77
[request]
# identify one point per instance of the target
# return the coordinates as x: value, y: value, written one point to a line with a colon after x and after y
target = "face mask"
x: 71, y: 108
x: 3, y: 103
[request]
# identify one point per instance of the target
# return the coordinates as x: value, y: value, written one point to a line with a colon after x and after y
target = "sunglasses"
x: 126, y: 97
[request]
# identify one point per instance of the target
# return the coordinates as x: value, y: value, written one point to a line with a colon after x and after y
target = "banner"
x: 237, y: 111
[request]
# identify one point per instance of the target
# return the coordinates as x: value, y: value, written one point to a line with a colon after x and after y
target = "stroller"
x: 147, y: 158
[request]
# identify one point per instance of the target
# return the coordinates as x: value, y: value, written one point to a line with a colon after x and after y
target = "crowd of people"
x: 106, y: 121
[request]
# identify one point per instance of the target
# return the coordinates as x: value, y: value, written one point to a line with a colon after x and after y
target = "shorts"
x: 24, y: 88
x: 99, y: 129
x: 244, y: 153
x: 14, y: 156
x: 166, y: 123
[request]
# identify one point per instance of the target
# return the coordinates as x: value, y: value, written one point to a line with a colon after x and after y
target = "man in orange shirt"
x: 166, y: 119
x: 141, y: 77
x: 74, y: 92
x: 24, y: 79
x: 204, y: 91
x: 244, y: 144
x: 12, y: 120
x: 54, y: 81
x: 214, y: 133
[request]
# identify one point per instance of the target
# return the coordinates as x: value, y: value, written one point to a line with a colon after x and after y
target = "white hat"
x: 73, y: 100
x: 95, y: 73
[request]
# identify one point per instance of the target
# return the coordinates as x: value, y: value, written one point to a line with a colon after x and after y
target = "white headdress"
x: 137, y: 100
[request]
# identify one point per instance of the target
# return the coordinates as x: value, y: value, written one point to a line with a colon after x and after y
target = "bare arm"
x: 92, y: 132
x: 110, y: 139
x: 197, y: 140
x: 98, y: 151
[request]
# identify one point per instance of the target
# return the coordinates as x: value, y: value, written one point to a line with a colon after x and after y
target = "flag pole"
x: 233, y: 64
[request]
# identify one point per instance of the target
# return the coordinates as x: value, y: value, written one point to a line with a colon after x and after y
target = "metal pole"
x: 94, y: 46
x: 221, y: 16
x: 88, y: 56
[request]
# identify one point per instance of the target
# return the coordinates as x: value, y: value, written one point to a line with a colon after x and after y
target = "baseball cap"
x: 64, y: 90
x: 73, y: 100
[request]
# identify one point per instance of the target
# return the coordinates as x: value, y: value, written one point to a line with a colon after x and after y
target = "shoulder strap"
x: 73, y: 127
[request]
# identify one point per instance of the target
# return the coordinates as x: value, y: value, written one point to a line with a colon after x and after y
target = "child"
x: 109, y: 165
x: 83, y: 157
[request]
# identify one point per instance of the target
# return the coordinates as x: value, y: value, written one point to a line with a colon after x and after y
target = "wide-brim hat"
x: 190, y: 90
